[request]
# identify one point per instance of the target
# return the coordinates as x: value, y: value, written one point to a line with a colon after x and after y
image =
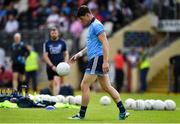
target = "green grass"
x: 95, y: 113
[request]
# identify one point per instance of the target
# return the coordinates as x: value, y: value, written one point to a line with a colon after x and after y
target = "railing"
x: 166, y: 41
x: 32, y: 37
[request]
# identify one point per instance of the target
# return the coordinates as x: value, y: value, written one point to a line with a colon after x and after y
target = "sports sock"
x: 121, y: 107
x: 82, y: 111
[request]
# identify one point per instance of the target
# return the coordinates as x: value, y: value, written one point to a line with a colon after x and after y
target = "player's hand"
x: 105, y: 67
x: 53, y: 68
x: 75, y: 57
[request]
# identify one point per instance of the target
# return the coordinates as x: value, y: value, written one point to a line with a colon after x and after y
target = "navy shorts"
x: 50, y: 73
x: 94, y: 66
x: 18, y: 68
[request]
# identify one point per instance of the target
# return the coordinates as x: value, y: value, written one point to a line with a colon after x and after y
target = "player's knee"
x: 106, y: 88
x: 84, y: 86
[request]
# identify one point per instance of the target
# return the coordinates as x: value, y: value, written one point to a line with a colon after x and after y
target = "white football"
x: 130, y: 103
x: 78, y: 100
x: 140, y: 105
x: 61, y: 98
x: 105, y: 100
x: 70, y: 99
x: 159, y: 105
x: 170, y: 104
x: 148, y: 104
x: 63, y: 69
x: 53, y: 99
x: 46, y: 97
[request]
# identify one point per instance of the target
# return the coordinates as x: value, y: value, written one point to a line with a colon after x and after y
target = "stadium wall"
x: 142, y: 24
x: 161, y: 59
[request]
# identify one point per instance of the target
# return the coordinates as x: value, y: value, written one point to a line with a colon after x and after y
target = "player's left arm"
x: 103, y: 39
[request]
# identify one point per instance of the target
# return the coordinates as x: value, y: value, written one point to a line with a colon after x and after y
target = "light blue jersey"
x: 94, y: 46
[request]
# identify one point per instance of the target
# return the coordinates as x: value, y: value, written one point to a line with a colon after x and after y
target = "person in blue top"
x: 55, y: 51
x: 97, y: 50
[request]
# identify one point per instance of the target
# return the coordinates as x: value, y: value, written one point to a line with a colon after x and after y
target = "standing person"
x: 31, y: 68
x: 175, y: 65
x: 97, y: 68
x: 119, y: 74
x: 144, y: 68
x: 55, y: 51
x: 19, y: 52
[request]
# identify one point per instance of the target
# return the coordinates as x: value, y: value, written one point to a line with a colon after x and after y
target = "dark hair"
x: 83, y: 10
x: 119, y: 51
x: 2, y: 69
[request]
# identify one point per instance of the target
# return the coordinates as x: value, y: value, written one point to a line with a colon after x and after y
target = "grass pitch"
x: 96, y: 113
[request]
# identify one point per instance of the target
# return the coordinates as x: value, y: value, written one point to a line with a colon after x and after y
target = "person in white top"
x: 53, y: 18
x: 12, y: 25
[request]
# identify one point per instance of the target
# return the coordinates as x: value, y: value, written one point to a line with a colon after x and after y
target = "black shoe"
x: 76, y: 117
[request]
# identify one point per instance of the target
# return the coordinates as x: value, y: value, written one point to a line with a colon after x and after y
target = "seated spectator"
x: 63, y: 23
x: 76, y: 29
x: 53, y: 18
x: 2, y: 57
x: 11, y: 10
x: 3, y: 13
x: 5, y: 77
x: 12, y: 24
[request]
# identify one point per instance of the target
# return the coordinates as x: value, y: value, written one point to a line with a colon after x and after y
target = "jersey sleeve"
x: 45, y: 49
x: 64, y: 47
x: 25, y: 51
x: 98, y: 28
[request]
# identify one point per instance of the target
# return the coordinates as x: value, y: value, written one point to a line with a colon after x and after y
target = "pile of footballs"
x: 150, y: 104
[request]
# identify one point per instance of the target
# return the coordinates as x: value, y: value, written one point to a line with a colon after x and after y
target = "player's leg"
x: 85, y: 88
x: 51, y: 77
x: 88, y: 79
x: 56, y: 85
x: 34, y: 80
x: 28, y: 78
x: 15, y: 80
x: 105, y: 83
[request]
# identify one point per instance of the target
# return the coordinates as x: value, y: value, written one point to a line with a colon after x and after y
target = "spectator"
x: 175, y: 65
x: 21, y: 6
x: 104, y: 13
x: 92, y: 5
x: 11, y: 10
x: 5, y: 77
x: 126, y: 13
x: 116, y: 15
x: 53, y: 18
x: 12, y: 24
x: 2, y: 57
x: 65, y: 8
x: 63, y: 23
x: 19, y: 51
x: 119, y: 74
x: 132, y: 57
x: 144, y: 68
x: 31, y: 67
x: 3, y: 13
x: 76, y: 29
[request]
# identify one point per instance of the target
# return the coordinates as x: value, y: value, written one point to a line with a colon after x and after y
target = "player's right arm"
x: 46, y: 58
x: 78, y: 55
